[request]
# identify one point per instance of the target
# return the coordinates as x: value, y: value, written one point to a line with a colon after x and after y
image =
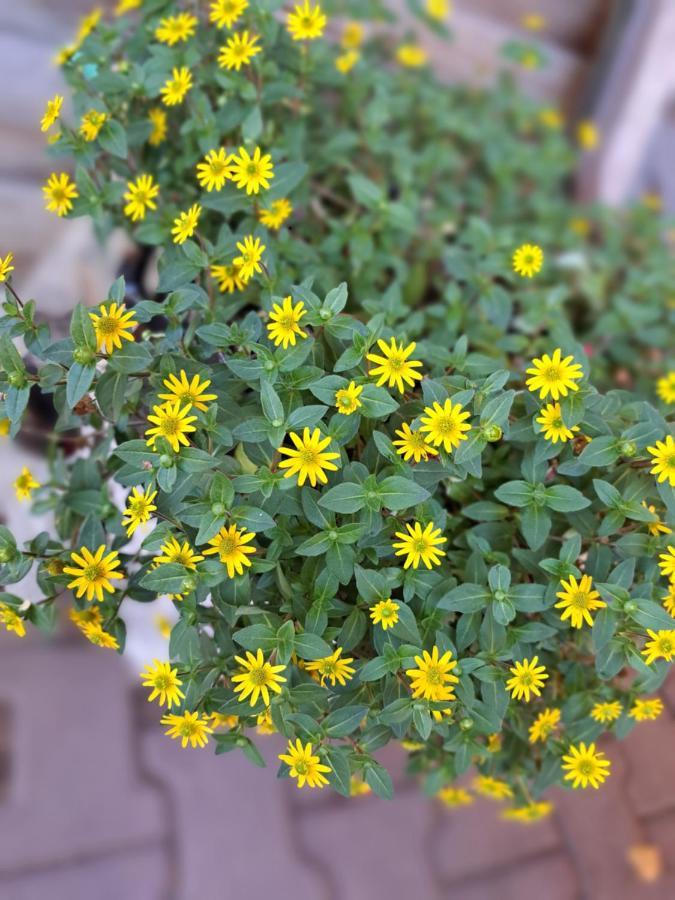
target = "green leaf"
x: 379, y: 780
x: 311, y: 646
x: 376, y: 402
x: 375, y: 669
x: 535, y: 525
x: 130, y: 358
x: 167, y: 578
x: 344, y: 721
x: 272, y: 406
x: 113, y: 139
x: 515, y: 493
x: 256, y: 637
x: 82, y: 329
x: 340, y: 774
x: 78, y: 382
x: 398, y: 493
x: 466, y: 598
x: 348, y: 497
x: 562, y: 498
x: 651, y: 615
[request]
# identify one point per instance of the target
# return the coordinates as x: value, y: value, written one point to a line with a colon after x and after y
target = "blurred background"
x: 95, y: 802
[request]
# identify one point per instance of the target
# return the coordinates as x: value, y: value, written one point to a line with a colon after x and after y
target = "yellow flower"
x: 186, y: 224
x: 111, y: 326
x: 578, y: 601
x: 551, y: 118
x: 528, y: 260
x: 552, y: 424
x: 251, y: 172
x: 656, y: 527
x: 164, y: 682
x: 91, y: 124
x: 93, y: 572
x: 306, y: 22
x: 277, y: 213
x: 191, y: 392
x: 528, y: 678
x: 310, y: 459
x: 175, y: 89
x: 554, y: 375
x: 544, y: 725
x: 357, y: 787
x: 82, y: 617
x: 138, y: 509
x: 352, y: 36
x: 438, y: 9
x: 171, y: 422
x: 667, y: 562
x: 172, y: 551
x: 87, y: 24
x: 533, y: 21
x: 52, y: 112
x: 606, y: 711
x: 231, y: 546
x: 239, y: 50
x: 660, y: 646
x: 218, y: 720
x: 257, y: 678
x: 229, y: 278
x: 174, y: 29
x: 140, y: 196
x: 124, y: 6
x: 6, y: 266
x: 384, y: 613
x: 224, y: 13
x: 413, y: 443
x: 332, y: 668
x: 492, y: 787
x: 585, y: 765
x: 346, y: 61
x: 453, y: 796
x: 25, y: 484
x: 663, y: 464
x: 214, y: 171
x: 665, y: 388
x: 284, y: 324
x: 445, y: 425
x: 249, y: 262
x: 669, y: 599
x: 190, y: 727
x: 419, y: 545
x: 433, y: 679
x: 304, y: 765
x: 59, y: 192
x: 5, y: 425
x: 158, y: 120
x: 164, y: 625
x: 646, y: 710
x: 412, y: 746
x: 12, y: 620
x: 587, y: 135
x: 264, y: 723
x: 411, y: 56
x: 394, y: 367
x: 98, y: 636
x: 347, y: 399
x: 532, y: 812
x: 580, y: 226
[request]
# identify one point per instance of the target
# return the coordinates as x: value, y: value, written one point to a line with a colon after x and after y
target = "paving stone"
x: 551, y: 877
x: 650, y: 765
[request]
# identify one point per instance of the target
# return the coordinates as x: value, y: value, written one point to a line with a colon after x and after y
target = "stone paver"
x: 550, y: 877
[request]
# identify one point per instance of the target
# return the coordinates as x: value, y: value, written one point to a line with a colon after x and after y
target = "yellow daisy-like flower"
x: 578, y: 600
x: 412, y: 746
x: 663, y: 463
x: 93, y: 572
x: 453, y: 796
x: 187, y: 391
x: 59, y: 192
x: 584, y: 765
x: 218, y: 720
x: 445, y: 425
x: 52, y: 112
x: 306, y: 23
x: 669, y: 599
x: 190, y: 727
x: 433, y: 679
x: 139, y: 508
x: 172, y: 551
x: 357, y: 787
x: 494, y: 788
x: 352, y: 36
x: 667, y: 562
x: 276, y: 214
x: 98, y: 636
x: 438, y: 9
x: 5, y: 425
x: 544, y: 725
x: 347, y: 399
x: 346, y: 61
x: 264, y: 723
x: 91, y: 124
x: 25, y: 484
x: 176, y: 29
x: 606, y: 711
x: 532, y: 812
x: 310, y: 459
x: 413, y: 444
x: 393, y: 367
x: 588, y: 135
x: 175, y: 89
x: 158, y: 120
x: 528, y: 260
x: 6, y: 266
x: 646, y: 710
x: 186, y: 224
x: 304, y: 765
x: 528, y: 678
x: 284, y: 325
x: 171, y: 422
x: 87, y: 24
x: 82, y: 617
x: 251, y: 172
x: 164, y: 682
x: 224, y: 13
x: 111, y: 326
x: 384, y: 613
x: 124, y: 6
x: 553, y: 426
x: 412, y: 56
x: 419, y: 545
x: 249, y: 262
x: 494, y: 743
x: 257, y: 678
x: 554, y: 375
x: 163, y: 624
x: 231, y: 545
x: 661, y: 645
x: 665, y: 388
x: 239, y: 50
x: 140, y: 196
x: 333, y: 668
x: 656, y: 527
x: 12, y: 620
x: 214, y: 171
x: 229, y: 278
x: 551, y: 118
